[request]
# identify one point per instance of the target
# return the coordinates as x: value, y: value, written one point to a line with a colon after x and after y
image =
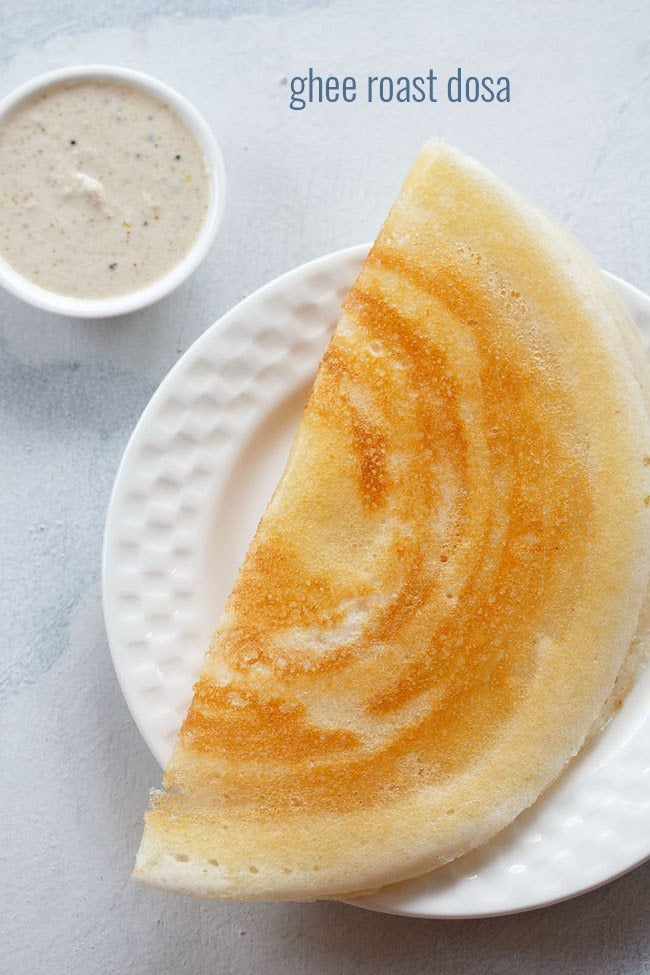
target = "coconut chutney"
x: 103, y: 188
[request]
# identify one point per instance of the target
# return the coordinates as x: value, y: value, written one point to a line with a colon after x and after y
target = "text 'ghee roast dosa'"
x: 441, y: 592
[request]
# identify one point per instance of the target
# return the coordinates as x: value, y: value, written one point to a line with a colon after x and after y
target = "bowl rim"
x: 71, y: 306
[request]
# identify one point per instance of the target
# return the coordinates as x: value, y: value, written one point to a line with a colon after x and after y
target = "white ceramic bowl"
x: 133, y: 300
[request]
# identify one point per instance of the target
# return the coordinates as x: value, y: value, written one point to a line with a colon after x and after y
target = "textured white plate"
x: 194, y: 480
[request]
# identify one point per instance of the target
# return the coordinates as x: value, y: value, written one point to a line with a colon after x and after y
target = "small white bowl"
x: 132, y: 300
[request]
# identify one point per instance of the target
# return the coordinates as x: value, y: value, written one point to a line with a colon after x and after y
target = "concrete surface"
x: 74, y: 772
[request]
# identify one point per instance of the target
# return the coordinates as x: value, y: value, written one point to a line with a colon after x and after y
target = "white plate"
x: 194, y: 480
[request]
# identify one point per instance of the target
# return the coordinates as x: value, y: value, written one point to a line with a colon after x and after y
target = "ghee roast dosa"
x: 433, y: 612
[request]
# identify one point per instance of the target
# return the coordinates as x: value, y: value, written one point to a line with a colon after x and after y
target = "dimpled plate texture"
x: 194, y: 480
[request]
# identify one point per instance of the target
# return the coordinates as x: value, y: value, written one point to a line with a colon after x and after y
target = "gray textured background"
x: 74, y: 773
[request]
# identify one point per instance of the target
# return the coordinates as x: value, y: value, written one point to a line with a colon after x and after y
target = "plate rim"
x: 354, y: 253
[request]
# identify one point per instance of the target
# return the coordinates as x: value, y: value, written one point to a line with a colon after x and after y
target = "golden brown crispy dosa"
x: 439, y: 597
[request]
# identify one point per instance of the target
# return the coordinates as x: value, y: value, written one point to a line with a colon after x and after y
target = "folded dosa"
x: 433, y: 612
